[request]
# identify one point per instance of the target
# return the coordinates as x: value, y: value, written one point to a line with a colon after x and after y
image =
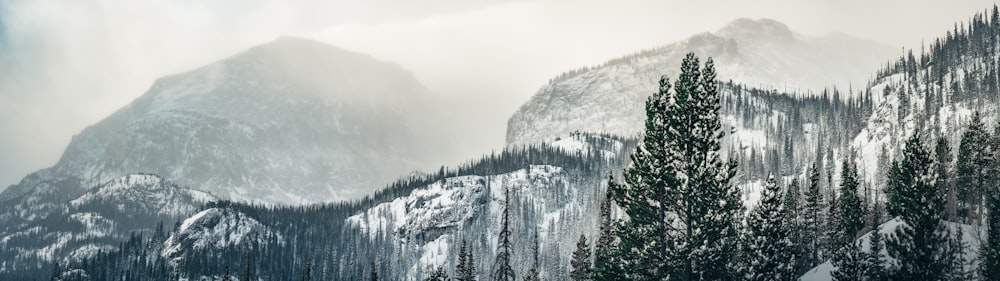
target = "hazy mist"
x: 68, y: 64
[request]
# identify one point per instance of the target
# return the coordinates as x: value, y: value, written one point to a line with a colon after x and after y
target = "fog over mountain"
x: 66, y: 65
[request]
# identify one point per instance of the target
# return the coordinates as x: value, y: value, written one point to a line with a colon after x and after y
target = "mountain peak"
x: 759, y: 28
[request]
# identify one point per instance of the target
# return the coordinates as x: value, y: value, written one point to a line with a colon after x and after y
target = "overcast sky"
x: 67, y: 64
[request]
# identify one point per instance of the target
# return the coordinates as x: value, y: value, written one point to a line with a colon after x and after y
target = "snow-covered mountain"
x: 291, y: 121
x: 763, y: 54
x: 215, y: 228
x: 95, y: 221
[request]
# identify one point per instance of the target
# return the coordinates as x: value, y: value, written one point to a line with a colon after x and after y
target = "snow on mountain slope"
x: 291, y: 121
x: 757, y: 53
x: 143, y: 194
x: 216, y: 228
x: 427, y: 225
x: 96, y: 221
x: 822, y: 272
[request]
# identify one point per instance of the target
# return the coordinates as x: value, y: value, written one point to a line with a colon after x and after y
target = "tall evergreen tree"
x: 532, y: 274
x: 768, y: 247
x: 850, y: 214
x: 307, y: 273
x: 683, y: 214
x: 604, y: 249
x: 919, y: 243
x: 849, y: 263
x: 943, y: 162
x: 813, y: 217
x: 581, y: 261
x: 990, y: 248
x: 874, y: 261
x: 503, y: 270
x: 373, y: 273
x: 974, y: 157
x: 958, y: 269
x: 794, y: 227
x: 465, y: 270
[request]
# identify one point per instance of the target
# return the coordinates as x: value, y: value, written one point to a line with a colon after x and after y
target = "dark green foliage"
x: 503, y: 270
x: 581, y: 266
x: 373, y: 272
x: 974, y: 157
x: 683, y: 214
x: 874, y: 261
x: 769, y: 254
x: 437, y: 275
x: 919, y: 244
x: 944, y: 183
x: 466, y: 268
x: 990, y: 249
x: 850, y: 212
x: 307, y: 273
x: 605, y: 266
x: 812, y: 218
x: 849, y: 261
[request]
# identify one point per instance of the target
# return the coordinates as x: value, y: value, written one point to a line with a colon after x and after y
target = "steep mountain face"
x: 756, y: 53
x: 291, y: 121
x: 95, y: 221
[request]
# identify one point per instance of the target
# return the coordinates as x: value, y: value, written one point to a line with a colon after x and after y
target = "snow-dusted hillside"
x: 291, y: 121
x: 428, y: 225
x: 763, y: 54
x: 215, y: 228
x: 822, y: 272
x: 95, y: 221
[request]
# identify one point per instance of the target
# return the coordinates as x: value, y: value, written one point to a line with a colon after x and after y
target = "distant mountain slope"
x: 93, y: 222
x: 291, y: 121
x: 763, y: 54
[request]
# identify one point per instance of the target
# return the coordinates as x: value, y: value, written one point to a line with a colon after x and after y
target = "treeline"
x: 315, y: 238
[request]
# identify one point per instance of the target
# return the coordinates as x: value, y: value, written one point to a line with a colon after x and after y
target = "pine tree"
x: 682, y: 212
x: 248, y: 267
x: 919, y: 243
x: 973, y: 158
x: 581, y: 260
x: 768, y: 248
x: 990, y: 248
x: 943, y: 162
x: 874, y: 262
x: 849, y: 261
x: 813, y: 217
x: 957, y: 270
x: 437, y: 275
x: 465, y: 270
x: 373, y: 273
x: 504, y: 271
x: 307, y: 274
x: 604, y: 266
x: 850, y: 213
x: 532, y: 274
x: 793, y: 226
x: 226, y: 275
